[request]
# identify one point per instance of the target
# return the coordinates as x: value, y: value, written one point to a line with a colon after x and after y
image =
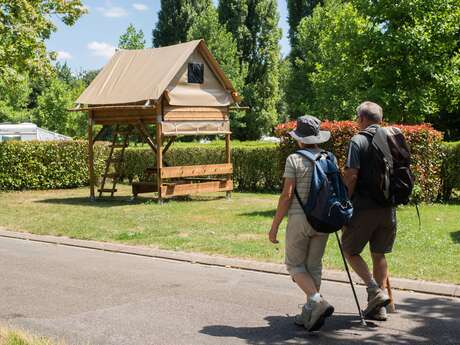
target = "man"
x: 304, y: 246
x: 371, y: 222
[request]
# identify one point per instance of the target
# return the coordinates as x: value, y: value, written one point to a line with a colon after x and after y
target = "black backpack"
x: 390, y: 180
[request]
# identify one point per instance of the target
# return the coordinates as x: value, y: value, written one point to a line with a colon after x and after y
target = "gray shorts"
x: 304, y: 248
x: 374, y: 226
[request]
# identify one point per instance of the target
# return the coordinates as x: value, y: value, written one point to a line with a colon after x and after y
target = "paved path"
x: 91, y: 297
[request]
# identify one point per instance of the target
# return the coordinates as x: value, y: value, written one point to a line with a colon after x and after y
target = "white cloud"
x: 113, y: 11
x: 140, y: 7
x: 101, y: 49
x: 62, y: 55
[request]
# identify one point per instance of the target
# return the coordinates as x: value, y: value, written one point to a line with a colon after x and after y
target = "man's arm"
x: 349, y: 178
x: 283, y: 207
x: 352, y: 167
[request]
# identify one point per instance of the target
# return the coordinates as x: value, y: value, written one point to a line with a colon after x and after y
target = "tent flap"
x: 171, y: 128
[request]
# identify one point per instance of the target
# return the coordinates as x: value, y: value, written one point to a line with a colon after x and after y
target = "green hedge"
x: 46, y: 165
x: 53, y: 165
x: 451, y: 169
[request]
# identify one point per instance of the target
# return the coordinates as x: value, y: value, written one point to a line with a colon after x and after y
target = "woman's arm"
x: 283, y: 207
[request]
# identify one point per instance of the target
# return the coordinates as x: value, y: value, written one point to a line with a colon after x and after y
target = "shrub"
x: 46, y: 165
x: 425, y: 144
x: 451, y: 169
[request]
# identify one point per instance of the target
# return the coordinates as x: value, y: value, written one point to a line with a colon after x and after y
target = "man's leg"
x: 380, y: 269
x: 360, y: 267
x: 355, y: 237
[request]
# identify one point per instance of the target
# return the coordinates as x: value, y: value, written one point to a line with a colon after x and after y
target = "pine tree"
x: 255, y: 26
x: 298, y: 9
x: 132, y: 39
x: 175, y: 19
x: 234, y: 14
x: 297, y: 87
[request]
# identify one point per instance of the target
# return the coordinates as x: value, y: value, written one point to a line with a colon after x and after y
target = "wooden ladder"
x: 113, y: 165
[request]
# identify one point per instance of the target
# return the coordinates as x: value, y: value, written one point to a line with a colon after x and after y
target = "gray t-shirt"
x: 359, y: 145
x: 301, y: 169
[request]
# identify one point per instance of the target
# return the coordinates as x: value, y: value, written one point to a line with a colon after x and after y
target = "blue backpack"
x: 328, y: 207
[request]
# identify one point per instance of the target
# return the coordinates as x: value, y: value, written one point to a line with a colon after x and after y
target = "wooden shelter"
x: 179, y: 89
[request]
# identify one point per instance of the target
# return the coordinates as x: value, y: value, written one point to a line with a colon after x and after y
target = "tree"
x: 402, y: 55
x: 234, y: 14
x: 64, y: 73
x: 255, y: 24
x: 175, y: 19
x: 52, y: 108
x: 132, y: 39
x: 295, y: 88
x: 15, y: 92
x: 24, y: 26
x: 297, y: 10
x: 223, y: 46
x: 88, y: 76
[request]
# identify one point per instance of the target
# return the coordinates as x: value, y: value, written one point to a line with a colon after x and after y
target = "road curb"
x: 440, y: 289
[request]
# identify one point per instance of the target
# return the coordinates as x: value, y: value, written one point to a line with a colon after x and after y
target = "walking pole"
x: 390, y: 307
x: 363, y: 322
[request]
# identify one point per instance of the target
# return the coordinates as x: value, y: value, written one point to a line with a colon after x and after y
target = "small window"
x: 10, y: 138
x: 196, y: 73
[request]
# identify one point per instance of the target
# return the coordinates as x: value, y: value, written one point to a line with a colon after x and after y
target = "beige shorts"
x: 304, y: 248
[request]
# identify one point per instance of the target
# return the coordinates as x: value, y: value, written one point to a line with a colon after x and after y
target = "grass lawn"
x: 14, y: 337
x: 235, y: 227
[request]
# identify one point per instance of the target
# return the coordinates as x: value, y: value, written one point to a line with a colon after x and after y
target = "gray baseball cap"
x: 308, y: 131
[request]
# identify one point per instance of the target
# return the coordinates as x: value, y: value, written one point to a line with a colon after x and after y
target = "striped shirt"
x: 300, y: 169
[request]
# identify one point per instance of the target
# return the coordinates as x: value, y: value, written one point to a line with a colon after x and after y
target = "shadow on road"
x: 429, y: 321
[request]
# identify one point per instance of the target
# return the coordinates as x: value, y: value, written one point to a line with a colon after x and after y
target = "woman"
x: 304, y: 246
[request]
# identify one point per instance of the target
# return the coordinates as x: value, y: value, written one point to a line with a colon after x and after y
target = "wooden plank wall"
x: 179, y: 113
x: 124, y: 116
x: 196, y: 170
x: 168, y: 191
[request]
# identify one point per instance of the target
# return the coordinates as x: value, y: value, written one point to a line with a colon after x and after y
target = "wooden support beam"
x: 91, y: 156
x: 228, y: 158
x: 168, y: 145
x: 159, y: 158
x: 196, y: 170
x: 144, y: 131
x: 171, y: 190
x: 228, y: 149
x: 97, y: 137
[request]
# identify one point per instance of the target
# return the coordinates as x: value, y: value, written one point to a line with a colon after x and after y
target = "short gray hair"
x: 371, y: 111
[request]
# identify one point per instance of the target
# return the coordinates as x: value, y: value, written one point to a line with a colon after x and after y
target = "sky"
x: 92, y: 40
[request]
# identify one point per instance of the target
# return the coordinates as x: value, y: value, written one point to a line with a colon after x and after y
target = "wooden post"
x: 159, y: 157
x: 91, y: 154
x: 228, y: 156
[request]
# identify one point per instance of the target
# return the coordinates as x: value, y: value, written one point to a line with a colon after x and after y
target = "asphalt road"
x: 85, y: 296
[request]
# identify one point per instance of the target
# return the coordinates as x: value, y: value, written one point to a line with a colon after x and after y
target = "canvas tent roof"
x: 136, y: 76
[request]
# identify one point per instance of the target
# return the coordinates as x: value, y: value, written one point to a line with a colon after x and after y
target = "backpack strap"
x: 309, y: 155
x: 312, y: 158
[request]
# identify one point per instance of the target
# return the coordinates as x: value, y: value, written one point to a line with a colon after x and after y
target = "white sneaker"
x: 303, y: 318
x: 320, y: 311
